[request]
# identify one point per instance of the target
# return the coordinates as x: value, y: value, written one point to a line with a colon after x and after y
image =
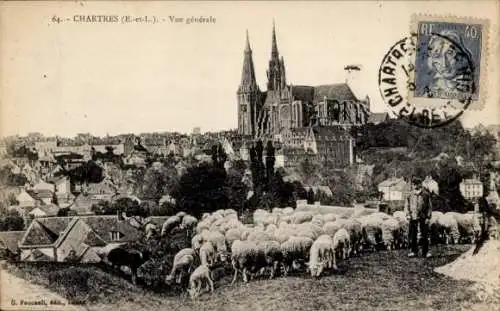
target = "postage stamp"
x: 450, y: 60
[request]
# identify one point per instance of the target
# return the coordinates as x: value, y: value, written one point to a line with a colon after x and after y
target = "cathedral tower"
x: 248, y: 95
x: 276, y: 72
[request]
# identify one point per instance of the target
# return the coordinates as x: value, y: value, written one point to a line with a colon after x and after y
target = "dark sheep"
x: 132, y: 259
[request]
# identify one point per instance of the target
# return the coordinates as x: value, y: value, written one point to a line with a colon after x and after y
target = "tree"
x: 201, y: 189
x: 12, y: 222
x: 270, y: 160
x: 103, y: 208
x: 128, y: 206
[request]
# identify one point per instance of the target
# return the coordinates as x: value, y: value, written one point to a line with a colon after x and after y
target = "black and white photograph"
x: 237, y: 155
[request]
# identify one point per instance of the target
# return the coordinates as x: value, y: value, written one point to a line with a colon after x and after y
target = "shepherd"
x: 418, y: 210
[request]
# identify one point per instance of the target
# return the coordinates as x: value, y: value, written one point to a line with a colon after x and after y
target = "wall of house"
x: 26, y: 253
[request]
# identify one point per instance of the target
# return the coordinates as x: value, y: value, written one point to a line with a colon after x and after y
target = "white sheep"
x: 181, y: 214
x: 321, y: 255
x: 199, y: 275
x: 342, y: 243
x: 183, y: 262
x: 301, y: 217
x: 196, y: 241
x: 170, y: 224
x: 329, y: 217
x: 391, y: 233
x: 295, y: 249
x: 450, y: 227
x: 268, y: 256
x: 207, y: 253
x: 468, y: 225
x: 331, y: 227
x: 243, y: 254
x: 150, y: 230
x: 288, y: 211
x: 189, y: 221
x: 372, y: 230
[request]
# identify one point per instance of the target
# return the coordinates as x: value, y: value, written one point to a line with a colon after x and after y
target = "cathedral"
x: 285, y: 107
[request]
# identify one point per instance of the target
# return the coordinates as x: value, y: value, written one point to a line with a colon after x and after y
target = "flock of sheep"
x: 287, y: 239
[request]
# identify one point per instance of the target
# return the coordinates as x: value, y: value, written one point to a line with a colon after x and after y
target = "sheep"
x: 321, y: 254
x: 295, y: 249
x: 207, y: 253
x: 188, y: 222
x: 309, y: 230
x: 150, y: 230
x: 229, y: 211
x: 181, y: 214
x: 356, y: 235
x: 288, y: 211
x: 329, y: 217
x: 436, y: 230
x: 342, y: 243
x: 203, y: 225
x: 318, y: 220
x: 277, y: 211
x: 243, y: 256
x: 200, y: 274
x: 259, y: 236
x: 468, y: 226
x: 170, y: 224
x: 371, y: 230
x: 196, y: 242
x: 217, y: 239
x: 269, y: 256
x: 301, y: 217
x: 450, y: 228
x: 391, y: 233
x: 331, y: 227
x: 183, y: 262
x: 282, y: 234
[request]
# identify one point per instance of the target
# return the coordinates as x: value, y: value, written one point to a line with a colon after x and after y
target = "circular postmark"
x: 426, y: 84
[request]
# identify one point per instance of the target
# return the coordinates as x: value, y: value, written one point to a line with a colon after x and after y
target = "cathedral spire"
x: 248, y: 81
x: 247, y: 48
x: 274, y: 51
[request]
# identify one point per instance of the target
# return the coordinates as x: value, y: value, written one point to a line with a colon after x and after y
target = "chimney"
x: 352, y: 79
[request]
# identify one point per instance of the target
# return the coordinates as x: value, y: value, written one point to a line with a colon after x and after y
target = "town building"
x: 393, y: 189
x: 76, y: 239
x: 471, y: 188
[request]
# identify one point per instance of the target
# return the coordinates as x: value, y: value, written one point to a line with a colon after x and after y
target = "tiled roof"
x: 340, y: 92
x: 50, y: 209
x: 43, y: 186
x: 303, y: 92
x: 102, y: 225
x: 10, y: 239
x: 329, y: 132
x: 46, y: 231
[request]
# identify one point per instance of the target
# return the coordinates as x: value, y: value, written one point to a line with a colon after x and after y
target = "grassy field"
x: 377, y: 281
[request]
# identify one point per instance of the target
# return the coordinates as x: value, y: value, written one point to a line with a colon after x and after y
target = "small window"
x: 115, y: 235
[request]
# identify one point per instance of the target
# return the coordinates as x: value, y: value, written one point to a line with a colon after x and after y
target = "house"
x: 393, y: 189
x: 82, y: 205
x: 44, y: 191
x: 63, y: 191
x: 9, y: 247
x: 48, y: 210
x: 73, y: 238
x: 330, y: 143
x: 26, y: 200
x: 471, y: 188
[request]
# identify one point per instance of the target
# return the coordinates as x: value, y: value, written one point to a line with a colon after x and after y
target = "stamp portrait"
x: 448, y: 60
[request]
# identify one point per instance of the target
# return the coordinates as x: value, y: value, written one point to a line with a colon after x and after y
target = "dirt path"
x: 19, y: 294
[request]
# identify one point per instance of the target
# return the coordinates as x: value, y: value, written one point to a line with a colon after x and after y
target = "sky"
x: 111, y: 78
